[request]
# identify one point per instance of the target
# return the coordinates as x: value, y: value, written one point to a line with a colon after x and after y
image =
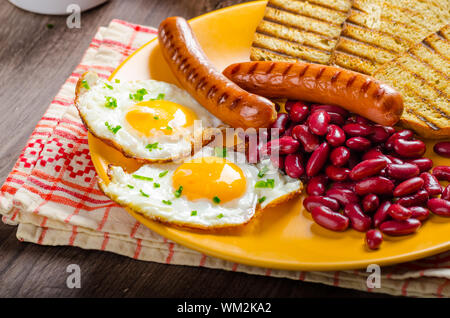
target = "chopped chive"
x: 220, y: 151
x: 139, y: 95
x: 108, y: 86
x: 130, y: 186
x: 152, y: 146
x: 155, y: 117
x: 178, y: 192
x: 216, y: 200
x: 220, y: 216
x: 143, y: 193
x: 269, y: 183
x: 263, y: 171
x: 112, y: 129
x: 159, y: 97
x: 168, y: 128
x: 194, y: 213
x: 261, y: 200
x: 168, y: 202
x: 131, y: 96
x: 50, y: 26
x: 117, y: 80
x: 162, y: 174
x: 136, y: 176
x: 156, y: 185
x: 85, y: 84
x: 111, y: 102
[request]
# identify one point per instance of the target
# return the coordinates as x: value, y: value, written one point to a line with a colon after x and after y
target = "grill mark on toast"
x: 280, y: 54
x: 417, y: 58
x: 303, y: 14
x: 287, y: 24
x: 423, y: 119
x: 365, y: 28
x: 368, y: 43
x: 325, y: 6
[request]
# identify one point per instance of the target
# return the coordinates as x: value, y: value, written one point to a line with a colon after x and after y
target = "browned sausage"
x: 223, y: 98
x: 358, y: 93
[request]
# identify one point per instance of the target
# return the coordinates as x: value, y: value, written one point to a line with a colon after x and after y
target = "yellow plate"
x: 284, y: 237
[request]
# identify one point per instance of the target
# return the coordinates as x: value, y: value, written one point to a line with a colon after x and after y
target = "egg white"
x: 91, y: 106
x: 130, y: 192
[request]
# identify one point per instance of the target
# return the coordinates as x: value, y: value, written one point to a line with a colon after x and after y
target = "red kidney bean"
x: 431, y: 184
x: 396, y: 227
x: 337, y: 173
x: 288, y: 105
x: 358, y: 220
x: 409, y: 186
x: 284, y: 145
x: 389, y: 129
x: 417, y: 199
x: 424, y: 164
x: 402, y: 171
x: 317, y: 159
x: 374, y: 238
x: 339, y: 156
x: 382, y: 213
x: 335, y: 136
x: 298, y: 112
x: 343, y: 196
x: 353, y: 160
x: 357, y: 130
x: 379, y: 134
x: 409, y: 148
x: 362, y: 120
x: 370, y: 203
x: 317, y: 185
x: 328, y: 219
x: 313, y: 201
x: 343, y: 185
x: 403, y: 134
x: 442, y: 173
x: 399, y: 212
x: 395, y: 160
x: 439, y: 206
x: 358, y: 143
x: 280, y: 123
x: 446, y: 193
x: 442, y: 149
x: 336, y: 118
x: 367, y: 168
x: 419, y: 213
x: 278, y: 161
x: 288, y: 131
x: 330, y: 109
x: 375, y: 185
x: 293, y: 165
x: 318, y: 122
x: 375, y: 153
x: 309, y: 141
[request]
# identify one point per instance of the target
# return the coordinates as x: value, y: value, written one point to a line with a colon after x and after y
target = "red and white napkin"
x: 52, y: 195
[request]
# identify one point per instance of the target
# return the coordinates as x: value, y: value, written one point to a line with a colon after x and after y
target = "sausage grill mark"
x: 211, y: 92
x: 378, y: 93
x: 366, y: 85
x: 236, y: 69
x: 351, y: 80
x: 300, y: 75
x: 287, y: 69
x: 223, y: 98
x: 252, y: 68
x: 335, y: 76
x: 235, y: 102
x: 319, y: 74
x: 269, y: 70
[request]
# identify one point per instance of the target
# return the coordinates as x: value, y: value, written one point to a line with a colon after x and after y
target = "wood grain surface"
x: 35, y: 60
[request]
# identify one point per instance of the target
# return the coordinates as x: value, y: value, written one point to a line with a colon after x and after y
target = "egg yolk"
x: 161, y: 115
x: 212, y: 178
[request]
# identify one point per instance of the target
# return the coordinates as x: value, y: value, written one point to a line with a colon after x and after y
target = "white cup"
x: 54, y: 6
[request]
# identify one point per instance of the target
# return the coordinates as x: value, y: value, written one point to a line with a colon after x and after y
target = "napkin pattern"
x: 52, y: 194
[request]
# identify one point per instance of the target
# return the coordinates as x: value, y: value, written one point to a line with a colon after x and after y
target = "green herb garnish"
x: 269, y: 183
x: 168, y: 202
x: 143, y: 193
x: 216, y: 200
x: 50, y: 26
x: 144, y: 178
x: 155, y: 117
x: 162, y: 174
x: 139, y: 95
x: 159, y: 97
x: 117, y: 80
x: 156, y: 185
x: 108, y: 86
x: 220, y: 216
x: 111, y: 102
x: 220, y: 151
x: 152, y: 146
x: 194, y: 213
x: 178, y: 192
x: 130, y: 186
x: 261, y: 200
x: 263, y: 171
x: 168, y: 128
x: 85, y: 84
x: 112, y: 129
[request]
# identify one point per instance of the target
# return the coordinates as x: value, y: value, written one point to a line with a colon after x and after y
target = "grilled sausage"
x: 223, y: 98
x: 358, y: 93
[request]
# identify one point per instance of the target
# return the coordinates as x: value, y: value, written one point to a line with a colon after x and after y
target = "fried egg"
x: 148, y: 120
x: 211, y: 189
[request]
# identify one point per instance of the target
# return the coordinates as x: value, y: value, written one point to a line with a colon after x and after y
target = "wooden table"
x: 35, y: 60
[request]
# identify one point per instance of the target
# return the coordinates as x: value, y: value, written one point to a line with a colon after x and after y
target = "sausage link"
x: 223, y: 98
x: 358, y: 93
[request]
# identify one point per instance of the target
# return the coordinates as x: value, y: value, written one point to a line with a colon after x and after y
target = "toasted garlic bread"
x: 299, y: 30
x: 377, y: 31
x: 421, y: 74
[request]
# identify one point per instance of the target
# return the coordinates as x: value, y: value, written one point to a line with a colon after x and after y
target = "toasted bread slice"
x: 421, y: 74
x: 299, y: 30
x: 377, y: 31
